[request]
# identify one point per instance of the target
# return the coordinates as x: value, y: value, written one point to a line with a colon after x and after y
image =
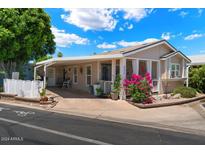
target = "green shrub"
x: 197, y: 78
x: 139, y: 88
x: 42, y: 92
x: 1, y: 89
x: 186, y: 92
x: 117, y: 84
x: 99, y: 91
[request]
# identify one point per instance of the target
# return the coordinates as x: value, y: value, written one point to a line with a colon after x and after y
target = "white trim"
x: 148, y: 47
x: 75, y: 67
x: 175, y: 55
x: 179, y: 71
x: 159, y: 77
x: 98, y: 70
x: 113, y: 71
x: 123, y: 76
x: 87, y: 75
x: 135, y: 65
x: 187, y: 76
x: 147, y: 59
x: 44, y: 77
x: 183, y: 68
x: 70, y: 59
x: 169, y: 67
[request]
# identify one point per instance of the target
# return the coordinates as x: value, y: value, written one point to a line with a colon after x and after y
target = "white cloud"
x: 121, y: 29
x: 193, y: 36
x: 169, y: 35
x: 100, y: 37
x: 127, y: 44
x: 179, y: 34
x: 130, y: 26
x: 105, y: 45
x: 133, y: 43
x: 91, y: 19
x: 174, y: 9
x: 200, y: 11
x: 202, y: 51
x: 166, y: 35
x: 183, y: 14
x: 64, y: 39
x: 136, y: 14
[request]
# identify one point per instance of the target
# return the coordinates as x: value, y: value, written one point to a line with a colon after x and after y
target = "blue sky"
x: 85, y: 31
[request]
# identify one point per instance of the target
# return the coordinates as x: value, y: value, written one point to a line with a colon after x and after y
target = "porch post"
x: 44, y: 77
x: 123, y: 77
x: 159, y: 77
x: 113, y: 70
x: 135, y: 66
x: 187, y: 76
x: 98, y: 71
x: 149, y: 66
x: 34, y: 74
x: 183, y: 73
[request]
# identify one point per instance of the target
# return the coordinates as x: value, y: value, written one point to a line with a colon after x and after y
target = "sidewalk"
x: 182, y: 118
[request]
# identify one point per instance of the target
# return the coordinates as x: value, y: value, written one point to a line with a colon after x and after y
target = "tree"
x: 44, y: 58
x: 197, y: 78
x: 60, y: 54
x: 25, y: 34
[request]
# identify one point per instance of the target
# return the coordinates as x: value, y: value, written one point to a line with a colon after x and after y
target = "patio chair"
x: 67, y: 84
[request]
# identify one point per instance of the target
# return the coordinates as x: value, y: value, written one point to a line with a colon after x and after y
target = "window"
x: 142, y: 67
x: 129, y: 68
x: 175, y: 71
x: 106, y: 72
x: 154, y: 70
x: 88, y: 75
x: 75, y: 75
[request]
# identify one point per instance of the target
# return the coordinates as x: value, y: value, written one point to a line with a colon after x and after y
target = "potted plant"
x: 99, y: 92
x: 116, y: 88
x: 44, y: 98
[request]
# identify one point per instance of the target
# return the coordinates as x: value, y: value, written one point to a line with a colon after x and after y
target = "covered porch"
x: 83, y: 73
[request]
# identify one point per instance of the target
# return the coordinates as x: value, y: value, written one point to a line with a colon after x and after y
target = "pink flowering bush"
x: 140, y: 88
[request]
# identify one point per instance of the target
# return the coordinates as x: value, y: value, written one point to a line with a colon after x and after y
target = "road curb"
x: 123, y: 121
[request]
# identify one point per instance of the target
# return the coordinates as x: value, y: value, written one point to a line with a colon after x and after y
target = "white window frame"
x: 175, y: 77
x: 75, y: 67
x: 86, y: 75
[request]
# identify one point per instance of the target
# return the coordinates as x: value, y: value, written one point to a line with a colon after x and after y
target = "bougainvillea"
x: 140, y: 88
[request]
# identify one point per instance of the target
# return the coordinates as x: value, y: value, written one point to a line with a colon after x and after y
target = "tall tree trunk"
x: 8, y: 67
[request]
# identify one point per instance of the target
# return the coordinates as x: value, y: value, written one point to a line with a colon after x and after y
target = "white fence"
x: 23, y: 88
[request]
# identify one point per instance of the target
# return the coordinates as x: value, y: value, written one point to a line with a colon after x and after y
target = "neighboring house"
x: 197, y: 60
x: 28, y: 71
x: 166, y: 64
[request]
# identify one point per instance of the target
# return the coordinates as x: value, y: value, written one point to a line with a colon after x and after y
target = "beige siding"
x: 153, y: 53
x: 163, y: 69
x: 81, y: 71
x: 169, y: 86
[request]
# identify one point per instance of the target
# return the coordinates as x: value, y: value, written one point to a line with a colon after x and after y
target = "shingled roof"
x: 130, y: 49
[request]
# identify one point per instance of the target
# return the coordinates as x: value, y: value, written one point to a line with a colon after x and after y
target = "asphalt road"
x: 28, y: 126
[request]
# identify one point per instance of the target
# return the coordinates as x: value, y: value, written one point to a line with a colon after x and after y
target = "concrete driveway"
x: 180, y: 117
x: 183, y: 118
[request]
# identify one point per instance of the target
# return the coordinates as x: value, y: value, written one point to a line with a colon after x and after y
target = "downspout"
x: 44, y: 77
